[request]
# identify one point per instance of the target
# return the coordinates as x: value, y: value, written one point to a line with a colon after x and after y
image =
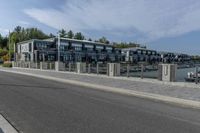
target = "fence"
x: 126, y: 69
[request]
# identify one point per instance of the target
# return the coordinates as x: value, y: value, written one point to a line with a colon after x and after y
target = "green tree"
x: 62, y: 33
x: 79, y: 36
x: 70, y: 34
x: 51, y: 35
x: 104, y: 40
x: 21, y: 34
x: 3, y: 41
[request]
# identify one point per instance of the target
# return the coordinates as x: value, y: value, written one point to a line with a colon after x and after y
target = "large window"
x: 77, y: 46
x: 89, y: 47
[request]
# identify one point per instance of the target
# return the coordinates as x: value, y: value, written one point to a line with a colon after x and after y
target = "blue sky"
x: 166, y: 25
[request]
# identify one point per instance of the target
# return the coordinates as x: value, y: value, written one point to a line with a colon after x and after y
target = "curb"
x: 166, y: 99
x: 5, y: 126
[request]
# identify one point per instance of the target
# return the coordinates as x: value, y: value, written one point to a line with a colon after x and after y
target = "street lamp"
x: 9, y: 46
x: 58, y: 64
x: 58, y: 48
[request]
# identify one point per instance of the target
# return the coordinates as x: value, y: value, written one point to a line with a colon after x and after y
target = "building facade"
x: 135, y: 55
x: 70, y: 50
x: 169, y: 57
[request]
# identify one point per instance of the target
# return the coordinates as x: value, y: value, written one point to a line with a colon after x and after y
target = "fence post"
x: 70, y: 67
x: 196, y: 74
x: 29, y: 65
x: 50, y: 65
x: 89, y: 67
x: 97, y: 68
x: 128, y: 69
x: 108, y: 69
x: 142, y: 71
x: 41, y: 65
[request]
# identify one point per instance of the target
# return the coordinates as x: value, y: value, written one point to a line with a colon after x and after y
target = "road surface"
x: 34, y: 105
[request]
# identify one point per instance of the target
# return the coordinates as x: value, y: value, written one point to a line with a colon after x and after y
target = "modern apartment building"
x: 135, y: 55
x: 70, y: 50
x: 169, y: 57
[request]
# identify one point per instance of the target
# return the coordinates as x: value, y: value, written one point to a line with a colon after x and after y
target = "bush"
x: 7, y: 65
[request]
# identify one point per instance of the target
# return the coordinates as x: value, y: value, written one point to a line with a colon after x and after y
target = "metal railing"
x: 141, y: 70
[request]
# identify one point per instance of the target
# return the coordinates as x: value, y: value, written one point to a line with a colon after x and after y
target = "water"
x: 181, y: 74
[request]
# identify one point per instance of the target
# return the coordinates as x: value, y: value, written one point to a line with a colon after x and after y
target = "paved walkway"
x: 136, y: 84
x: 5, y: 126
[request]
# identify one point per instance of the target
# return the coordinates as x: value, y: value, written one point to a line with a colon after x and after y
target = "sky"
x: 163, y: 25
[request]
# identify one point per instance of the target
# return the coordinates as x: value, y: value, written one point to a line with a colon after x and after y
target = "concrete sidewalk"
x: 182, y: 93
x: 5, y: 126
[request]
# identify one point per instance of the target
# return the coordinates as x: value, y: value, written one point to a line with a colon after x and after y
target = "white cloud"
x: 24, y: 23
x: 153, y: 19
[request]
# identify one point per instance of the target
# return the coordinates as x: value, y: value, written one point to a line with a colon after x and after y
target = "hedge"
x: 7, y: 65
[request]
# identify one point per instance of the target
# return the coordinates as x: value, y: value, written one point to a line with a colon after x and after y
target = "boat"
x: 191, y: 77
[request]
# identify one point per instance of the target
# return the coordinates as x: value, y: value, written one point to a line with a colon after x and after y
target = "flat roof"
x: 31, y: 40
x: 80, y: 41
x: 138, y: 48
x: 67, y: 39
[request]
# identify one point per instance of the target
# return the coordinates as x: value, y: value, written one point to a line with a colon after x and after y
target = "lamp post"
x: 58, y: 51
x: 14, y: 52
x: 58, y: 48
x: 9, y: 46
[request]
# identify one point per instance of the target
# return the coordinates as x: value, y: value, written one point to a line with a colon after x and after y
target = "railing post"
x: 29, y: 65
x: 89, y: 68
x: 196, y: 74
x: 142, y: 71
x: 36, y: 65
x: 41, y: 65
x: 97, y: 68
x: 70, y: 67
x: 128, y: 70
x: 50, y: 66
x: 107, y: 72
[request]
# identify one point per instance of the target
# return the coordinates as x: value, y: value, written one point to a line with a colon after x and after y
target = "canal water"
x: 181, y: 74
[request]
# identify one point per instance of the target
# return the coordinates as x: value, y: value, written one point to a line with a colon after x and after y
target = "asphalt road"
x: 36, y: 105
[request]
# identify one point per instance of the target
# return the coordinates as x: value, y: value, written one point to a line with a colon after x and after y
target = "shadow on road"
x: 1, y: 131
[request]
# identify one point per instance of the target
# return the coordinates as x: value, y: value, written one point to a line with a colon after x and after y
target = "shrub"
x: 7, y: 65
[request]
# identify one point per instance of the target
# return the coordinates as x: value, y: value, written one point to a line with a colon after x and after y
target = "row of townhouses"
x: 71, y: 50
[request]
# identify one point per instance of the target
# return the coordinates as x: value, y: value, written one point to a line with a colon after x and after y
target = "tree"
x: 62, y: 33
x: 79, y: 36
x: 21, y: 34
x: 18, y: 29
x: 104, y: 40
x: 70, y: 34
x: 51, y: 35
x: 3, y: 41
x: 90, y: 39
